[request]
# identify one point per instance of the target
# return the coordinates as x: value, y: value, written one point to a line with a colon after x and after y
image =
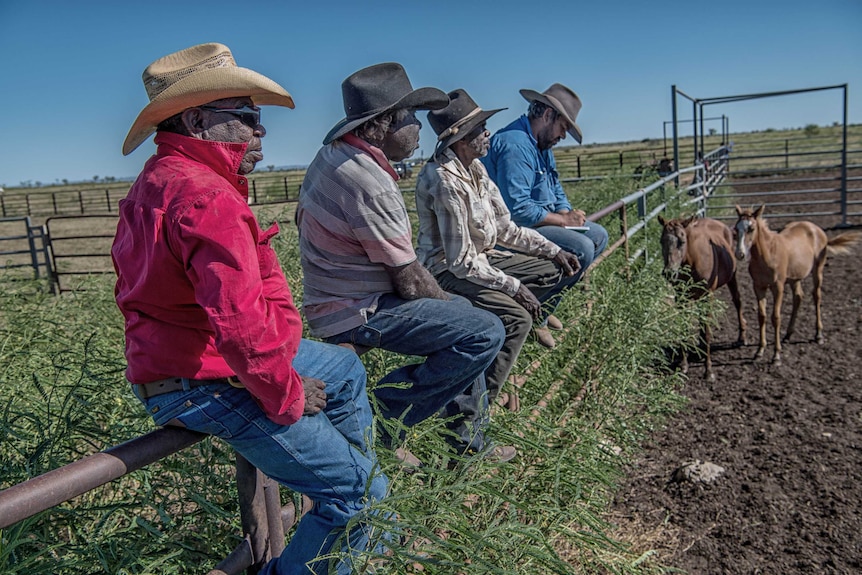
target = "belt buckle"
x: 235, y: 382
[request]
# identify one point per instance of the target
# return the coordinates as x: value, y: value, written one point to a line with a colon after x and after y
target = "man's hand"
x: 564, y: 218
x: 568, y: 261
x: 574, y: 218
x: 528, y: 301
x: 315, y: 395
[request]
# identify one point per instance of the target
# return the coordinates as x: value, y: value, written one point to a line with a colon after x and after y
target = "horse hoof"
x: 820, y: 339
x: 776, y: 360
x: 710, y: 375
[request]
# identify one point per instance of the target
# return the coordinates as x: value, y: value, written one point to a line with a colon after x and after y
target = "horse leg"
x: 760, y: 294
x: 818, y: 283
x: 797, y: 301
x: 707, y: 340
x: 737, y: 302
x: 778, y: 297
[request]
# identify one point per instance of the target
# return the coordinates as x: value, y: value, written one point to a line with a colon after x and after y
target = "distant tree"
x: 38, y: 184
x: 270, y: 167
x: 712, y: 131
x: 65, y: 181
x: 812, y: 130
x: 95, y: 178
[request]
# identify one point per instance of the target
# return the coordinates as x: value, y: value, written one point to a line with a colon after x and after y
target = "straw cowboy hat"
x: 193, y: 77
x: 377, y: 89
x: 561, y: 99
x: 457, y: 119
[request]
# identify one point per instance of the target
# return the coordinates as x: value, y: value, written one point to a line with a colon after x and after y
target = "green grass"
x: 65, y: 397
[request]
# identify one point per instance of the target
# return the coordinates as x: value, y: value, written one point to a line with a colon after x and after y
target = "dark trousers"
x: 543, y: 277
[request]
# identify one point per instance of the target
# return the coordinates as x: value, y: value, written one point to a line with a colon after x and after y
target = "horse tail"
x: 840, y: 244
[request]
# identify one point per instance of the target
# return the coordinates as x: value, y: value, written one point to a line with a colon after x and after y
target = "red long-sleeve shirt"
x: 200, y: 288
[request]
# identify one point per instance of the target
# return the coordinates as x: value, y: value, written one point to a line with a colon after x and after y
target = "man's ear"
x: 193, y: 120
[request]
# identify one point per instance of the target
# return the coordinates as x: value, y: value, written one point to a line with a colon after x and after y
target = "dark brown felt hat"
x: 457, y: 119
x: 378, y: 89
x: 561, y: 99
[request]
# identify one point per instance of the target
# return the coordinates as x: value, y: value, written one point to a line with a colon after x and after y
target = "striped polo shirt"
x: 352, y: 221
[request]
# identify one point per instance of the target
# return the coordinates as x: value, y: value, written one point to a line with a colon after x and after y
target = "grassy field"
x: 586, y: 407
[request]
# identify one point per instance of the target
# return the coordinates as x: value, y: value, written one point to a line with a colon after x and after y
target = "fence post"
x: 579, y: 166
x: 3, y: 205
x: 54, y: 201
x: 31, y: 241
x: 286, y: 190
x: 254, y: 190
x: 786, y: 153
x: 621, y: 159
x: 81, y: 200
x: 252, y: 507
x: 27, y: 197
x: 108, y: 199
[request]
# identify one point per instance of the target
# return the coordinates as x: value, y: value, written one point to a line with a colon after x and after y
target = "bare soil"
x: 788, y: 437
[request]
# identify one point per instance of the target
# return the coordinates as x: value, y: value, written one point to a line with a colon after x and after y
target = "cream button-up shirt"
x: 462, y: 220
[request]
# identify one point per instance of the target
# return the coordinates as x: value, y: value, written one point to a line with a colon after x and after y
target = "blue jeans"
x: 458, y: 342
x: 585, y: 245
x: 327, y: 456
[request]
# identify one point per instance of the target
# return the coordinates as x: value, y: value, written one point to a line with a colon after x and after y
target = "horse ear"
x: 687, y: 221
x: 759, y: 211
x: 661, y: 220
x: 738, y: 210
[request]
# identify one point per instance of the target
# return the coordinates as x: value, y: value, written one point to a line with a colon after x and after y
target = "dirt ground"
x: 789, y: 440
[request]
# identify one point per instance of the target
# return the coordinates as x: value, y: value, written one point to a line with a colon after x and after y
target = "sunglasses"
x: 248, y: 115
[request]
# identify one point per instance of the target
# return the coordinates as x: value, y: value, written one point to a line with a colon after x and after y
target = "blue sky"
x: 70, y: 78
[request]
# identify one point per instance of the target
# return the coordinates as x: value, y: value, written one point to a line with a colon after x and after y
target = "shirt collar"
x: 373, y: 151
x: 224, y: 158
x: 525, y: 125
x: 452, y: 163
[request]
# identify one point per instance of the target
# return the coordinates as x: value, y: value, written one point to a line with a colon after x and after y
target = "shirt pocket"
x: 266, y: 256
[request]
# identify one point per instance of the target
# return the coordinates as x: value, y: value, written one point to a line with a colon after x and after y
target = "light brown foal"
x: 701, y: 251
x: 788, y: 256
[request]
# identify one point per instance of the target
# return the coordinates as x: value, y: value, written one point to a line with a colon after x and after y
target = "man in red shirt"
x: 213, y: 339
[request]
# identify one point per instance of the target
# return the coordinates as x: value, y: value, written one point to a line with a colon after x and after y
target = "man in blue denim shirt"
x: 522, y: 165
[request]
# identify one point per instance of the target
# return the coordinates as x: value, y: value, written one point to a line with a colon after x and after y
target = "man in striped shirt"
x: 363, y: 284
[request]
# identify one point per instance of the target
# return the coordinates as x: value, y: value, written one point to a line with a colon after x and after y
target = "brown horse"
x: 788, y: 256
x: 700, y: 251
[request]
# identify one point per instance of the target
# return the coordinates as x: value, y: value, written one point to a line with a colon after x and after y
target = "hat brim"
x: 467, y: 128
x: 531, y: 95
x: 201, y: 88
x: 419, y: 99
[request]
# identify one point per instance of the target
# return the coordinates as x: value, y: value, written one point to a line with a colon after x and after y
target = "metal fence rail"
x: 25, y: 249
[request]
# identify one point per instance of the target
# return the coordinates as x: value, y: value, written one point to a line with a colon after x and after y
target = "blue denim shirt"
x: 527, y: 177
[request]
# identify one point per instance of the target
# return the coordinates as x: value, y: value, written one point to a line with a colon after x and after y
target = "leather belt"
x: 170, y: 384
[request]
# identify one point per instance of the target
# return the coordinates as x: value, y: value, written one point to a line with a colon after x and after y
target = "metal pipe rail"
x: 59, y: 485
x: 263, y: 518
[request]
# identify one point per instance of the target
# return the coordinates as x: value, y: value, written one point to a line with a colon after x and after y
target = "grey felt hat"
x: 564, y: 101
x: 378, y: 89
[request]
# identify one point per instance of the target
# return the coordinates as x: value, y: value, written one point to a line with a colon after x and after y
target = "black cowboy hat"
x: 457, y: 119
x: 378, y: 89
x: 561, y: 99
